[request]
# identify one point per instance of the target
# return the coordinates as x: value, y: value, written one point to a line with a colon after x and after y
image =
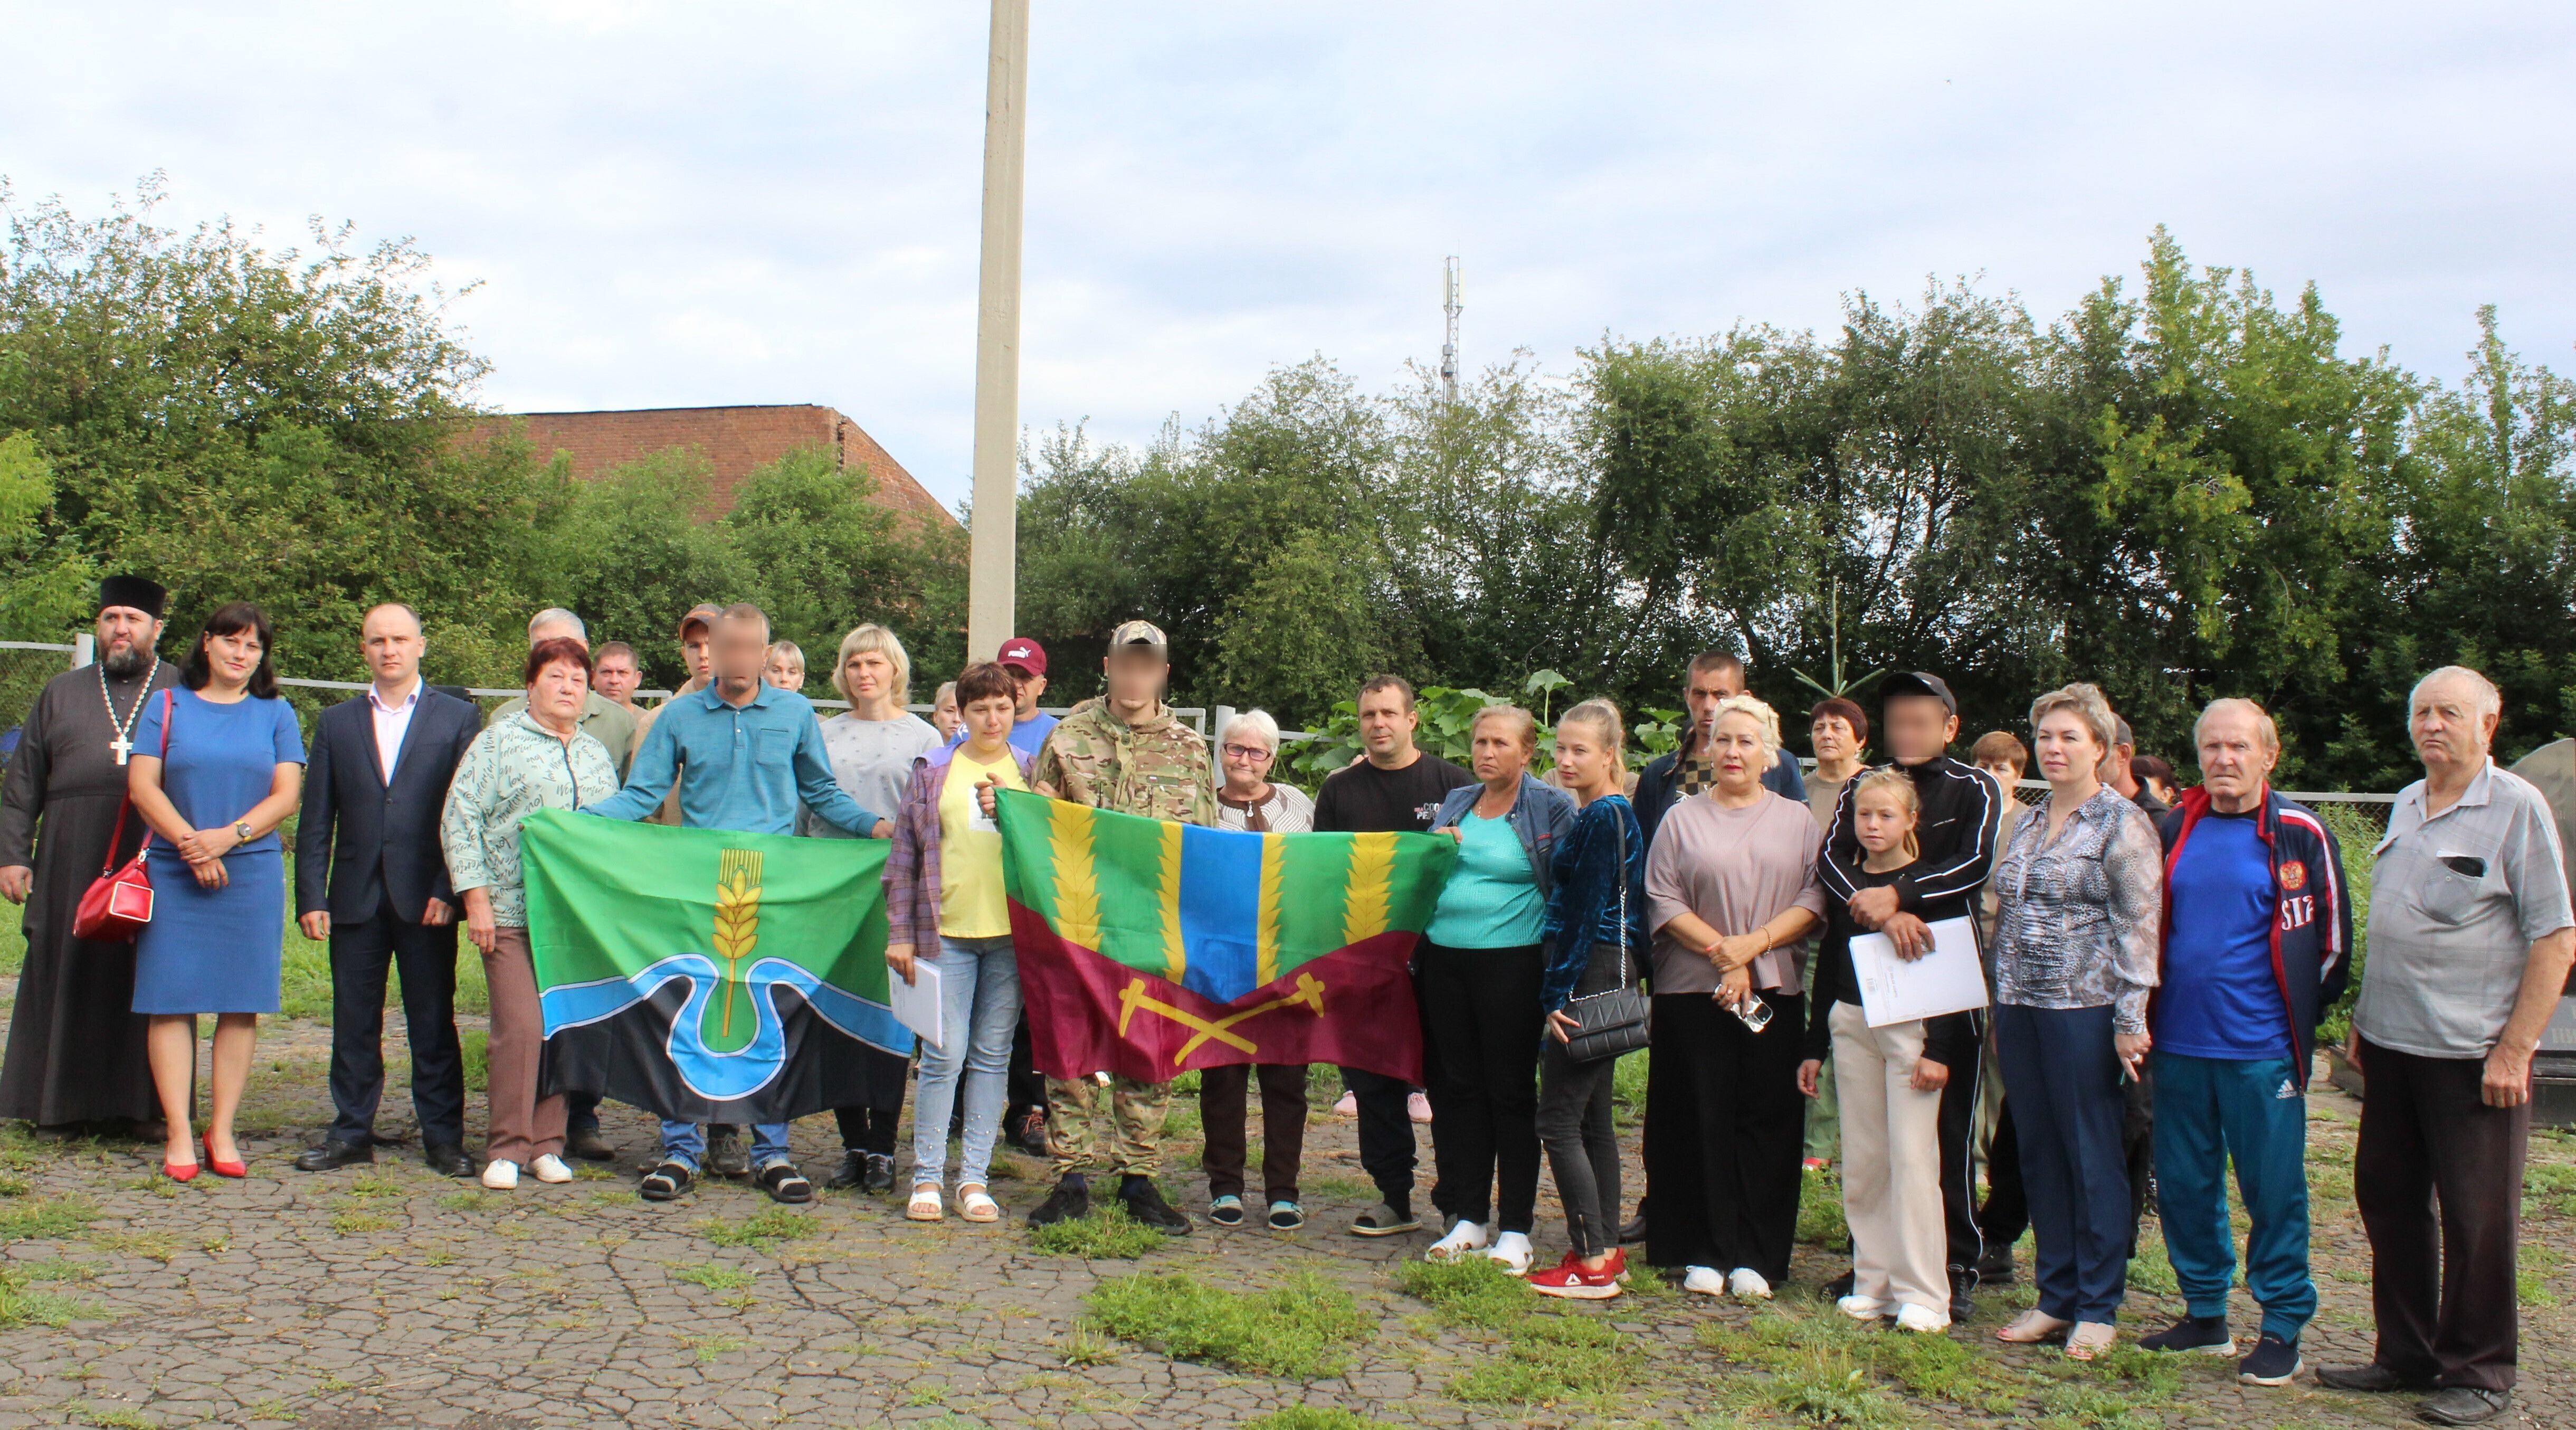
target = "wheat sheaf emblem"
x: 737, y: 917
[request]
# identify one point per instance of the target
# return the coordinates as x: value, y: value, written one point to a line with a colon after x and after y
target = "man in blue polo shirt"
x: 743, y: 755
x: 2255, y: 938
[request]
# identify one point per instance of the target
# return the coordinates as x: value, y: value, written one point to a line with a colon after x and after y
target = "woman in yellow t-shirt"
x: 946, y: 911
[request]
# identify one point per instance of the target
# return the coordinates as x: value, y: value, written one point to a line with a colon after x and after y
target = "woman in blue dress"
x: 226, y: 767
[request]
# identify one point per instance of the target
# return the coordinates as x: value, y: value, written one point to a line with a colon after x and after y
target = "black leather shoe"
x: 1068, y: 1201
x: 880, y: 1174
x: 725, y: 1156
x: 332, y: 1156
x: 585, y: 1143
x: 1029, y: 1133
x: 852, y: 1173
x: 1634, y: 1231
x: 1146, y: 1206
x: 2463, y: 1405
x: 1841, y: 1286
x: 448, y: 1159
x: 1963, y: 1295
x: 1995, y: 1265
x: 2371, y: 1379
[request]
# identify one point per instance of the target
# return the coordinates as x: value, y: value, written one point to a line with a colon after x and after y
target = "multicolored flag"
x: 1149, y: 948
x: 706, y: 975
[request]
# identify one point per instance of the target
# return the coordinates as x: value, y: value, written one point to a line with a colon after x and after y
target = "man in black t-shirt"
x: 1397, y: 789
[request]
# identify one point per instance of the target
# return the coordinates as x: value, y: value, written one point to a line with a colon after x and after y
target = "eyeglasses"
x: 1245, y: 752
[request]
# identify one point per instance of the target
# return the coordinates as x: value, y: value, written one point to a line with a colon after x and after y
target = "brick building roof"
x: 734, y: 440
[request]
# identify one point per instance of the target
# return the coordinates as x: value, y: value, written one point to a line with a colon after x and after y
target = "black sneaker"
x: 2207, y: 1335
x: 1068, y: 1201
x: 725, y: 1156
x: 1144, y: 1202
x: 1029, y: 1133
x: 852, y: 1173
x: 1633, y: 1232
x: 585, y: 1143
x: 1963, y: 1295
x: 2463, y: 1405
x: 1841, y: 1286
x: 2273, y: 1361
x: 880, y: 1175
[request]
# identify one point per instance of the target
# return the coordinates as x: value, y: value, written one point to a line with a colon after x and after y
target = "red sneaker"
x: 1569, y: 1279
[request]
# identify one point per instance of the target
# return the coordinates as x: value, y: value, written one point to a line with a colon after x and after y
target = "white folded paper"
x: 916, y: 1004
x: 1948, y: 979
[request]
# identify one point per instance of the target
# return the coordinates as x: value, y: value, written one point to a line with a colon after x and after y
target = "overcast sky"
x: 672, y: 205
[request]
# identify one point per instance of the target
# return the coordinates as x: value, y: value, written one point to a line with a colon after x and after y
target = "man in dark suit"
x: 371, y: 877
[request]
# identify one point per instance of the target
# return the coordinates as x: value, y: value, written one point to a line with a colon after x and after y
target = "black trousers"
x: 360, y: 954
x: 1958, y: 1133
x: 1386, y: 1126
x: 1222, y: 1092
x: 1481, y: 1005
x: 1028, y: 1088
x: 1723, y: 1168
x: 2441, y: 1285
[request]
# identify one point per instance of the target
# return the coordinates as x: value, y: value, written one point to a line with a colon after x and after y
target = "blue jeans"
x: 2210, y: 1111
x: 2062, y: 1082
x: 683, y: 1143
x: 979, y: 1010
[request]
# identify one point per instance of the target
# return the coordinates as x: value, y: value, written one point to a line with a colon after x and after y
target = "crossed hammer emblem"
x: 1309, y: 994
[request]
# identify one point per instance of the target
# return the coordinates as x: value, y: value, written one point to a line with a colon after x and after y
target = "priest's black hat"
x: 142, y: 594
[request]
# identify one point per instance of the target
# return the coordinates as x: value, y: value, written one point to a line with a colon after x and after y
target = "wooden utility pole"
x: 993, y: 564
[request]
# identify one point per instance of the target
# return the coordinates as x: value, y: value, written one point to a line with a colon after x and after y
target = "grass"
x: 158, y: 1246
x: 1820, y: 1208
x: 359, y: 1223
x: 1085, y: 1347
x: 110, y: 1417
x: 1315, y: 1417
x: 1822, y: 1357
x: 46, y: 1217
x: 709, y: 1347
x: 1547, y: 1355
x: 1106, y: 1233
x: 1301, y: 1330
x: 713, y: 1277
x: 762, y: 1231
x: 21, y: 1304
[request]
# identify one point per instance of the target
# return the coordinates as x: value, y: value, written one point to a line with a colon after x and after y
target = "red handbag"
x: 118, y: 903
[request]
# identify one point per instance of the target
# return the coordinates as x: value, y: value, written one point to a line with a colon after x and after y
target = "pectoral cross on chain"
x: 122, y: 746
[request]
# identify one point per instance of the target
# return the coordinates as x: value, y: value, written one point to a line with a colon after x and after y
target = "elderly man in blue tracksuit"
x: 2256, y: 936
x: 743, y: 755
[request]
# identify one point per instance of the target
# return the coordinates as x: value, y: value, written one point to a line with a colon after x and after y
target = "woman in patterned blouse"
x: 2080, y: 893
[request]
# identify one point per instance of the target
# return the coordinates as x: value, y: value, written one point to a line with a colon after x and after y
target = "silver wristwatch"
x: 241, y: 830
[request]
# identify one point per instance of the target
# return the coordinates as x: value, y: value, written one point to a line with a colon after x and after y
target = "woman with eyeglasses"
x: 1247, y: 748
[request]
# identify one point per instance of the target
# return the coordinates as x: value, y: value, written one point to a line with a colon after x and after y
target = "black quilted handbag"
x: 1615, y: 1020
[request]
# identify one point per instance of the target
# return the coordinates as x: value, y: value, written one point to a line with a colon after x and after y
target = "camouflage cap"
x: 1138, y: 633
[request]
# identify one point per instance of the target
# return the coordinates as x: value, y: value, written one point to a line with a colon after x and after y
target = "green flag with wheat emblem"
x: 710, y: 976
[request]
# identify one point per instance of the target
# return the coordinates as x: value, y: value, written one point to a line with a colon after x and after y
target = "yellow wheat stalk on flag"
x: 1077, y: 898
x: 1273, y: 883
x: 737, y: 917
x: 1364, y: 913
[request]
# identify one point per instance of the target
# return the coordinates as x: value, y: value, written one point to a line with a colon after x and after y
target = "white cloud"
x: 779, y: 203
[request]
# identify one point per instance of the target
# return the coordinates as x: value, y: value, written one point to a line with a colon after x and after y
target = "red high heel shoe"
x: 234, y: 1170
x: 178, y: 1171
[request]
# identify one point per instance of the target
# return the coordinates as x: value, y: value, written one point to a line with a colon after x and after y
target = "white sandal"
x: 924, y: 1205
x: 975, y: 1204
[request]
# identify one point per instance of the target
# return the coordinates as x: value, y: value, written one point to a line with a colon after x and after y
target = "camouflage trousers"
x: 1136, y: 1123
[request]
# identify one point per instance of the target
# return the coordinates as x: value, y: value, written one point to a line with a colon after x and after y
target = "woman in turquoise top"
x: 225, y: 767
x: 1478, y: 982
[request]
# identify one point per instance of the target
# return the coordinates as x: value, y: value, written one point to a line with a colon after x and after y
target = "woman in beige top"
x: 1732, y: 894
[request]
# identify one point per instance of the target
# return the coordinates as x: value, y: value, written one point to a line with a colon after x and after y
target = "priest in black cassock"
x: 75, y: 1043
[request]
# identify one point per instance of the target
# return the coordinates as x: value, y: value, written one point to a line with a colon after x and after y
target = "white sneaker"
x: 1862, y: 1308
x: 1746, y: 1284
x: 1512, y: 1249
x: 1921, y: 1319
x: 1704, y: 1280
x: 550, y: 1169
x: 1464, y: 1237
x: 500, y: 1176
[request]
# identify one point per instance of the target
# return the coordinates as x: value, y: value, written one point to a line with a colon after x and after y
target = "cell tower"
x: 1449, y: 349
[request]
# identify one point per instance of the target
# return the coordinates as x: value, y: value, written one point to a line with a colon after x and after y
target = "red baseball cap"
x: 1022, y: 654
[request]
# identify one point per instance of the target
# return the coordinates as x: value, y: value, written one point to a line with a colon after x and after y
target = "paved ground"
x: 388, y: 1297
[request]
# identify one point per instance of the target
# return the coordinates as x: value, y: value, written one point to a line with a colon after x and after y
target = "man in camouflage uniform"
x: 1125, y: 752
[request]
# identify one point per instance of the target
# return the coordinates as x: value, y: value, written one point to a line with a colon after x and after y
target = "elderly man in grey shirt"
x: 2470, y: 941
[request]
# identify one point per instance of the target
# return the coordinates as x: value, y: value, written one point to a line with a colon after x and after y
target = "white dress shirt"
x: 391, y: 721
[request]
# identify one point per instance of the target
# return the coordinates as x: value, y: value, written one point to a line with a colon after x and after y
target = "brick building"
x: 734, y: 440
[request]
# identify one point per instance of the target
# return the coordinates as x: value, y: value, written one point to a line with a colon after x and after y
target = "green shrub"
x: 1301, y: 1330
x: 1820, y: 1209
